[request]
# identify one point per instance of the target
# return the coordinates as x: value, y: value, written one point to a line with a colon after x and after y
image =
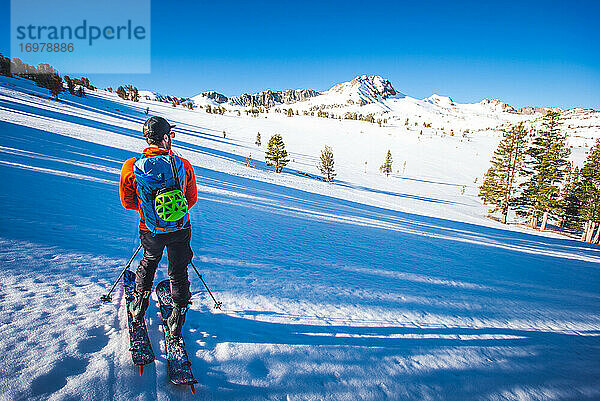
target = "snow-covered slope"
x: 367, y: 288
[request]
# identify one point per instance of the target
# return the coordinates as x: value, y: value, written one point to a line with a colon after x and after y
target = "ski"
x: 139, y: 343
x: 178, y: 363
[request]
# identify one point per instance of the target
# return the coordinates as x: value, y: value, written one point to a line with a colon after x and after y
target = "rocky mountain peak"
x: 365, y: 89
x: 440, y: 100
x: 497, y: 105
x: 216, y: 96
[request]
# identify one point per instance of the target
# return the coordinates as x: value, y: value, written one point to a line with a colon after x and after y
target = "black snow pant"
x: 180, y: 255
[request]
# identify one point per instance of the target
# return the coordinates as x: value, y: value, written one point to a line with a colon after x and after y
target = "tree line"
x: 531, y: 173
x: 128, y: 92
x: 45, y: 76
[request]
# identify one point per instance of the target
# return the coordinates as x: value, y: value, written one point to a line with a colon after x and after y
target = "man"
x: 162, y: 187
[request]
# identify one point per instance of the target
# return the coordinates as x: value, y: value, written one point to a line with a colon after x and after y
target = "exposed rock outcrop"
x: 271, y: 98
x: 497, y: 105
x: 530, y: 110
x: 365, y: 90
x: 216, y: 96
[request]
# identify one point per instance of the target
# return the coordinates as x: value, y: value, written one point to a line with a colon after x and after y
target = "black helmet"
x: 156, y: 127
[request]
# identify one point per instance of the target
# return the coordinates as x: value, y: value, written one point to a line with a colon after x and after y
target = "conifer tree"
x: 135, y: 96
x: 80, y: 92
x: 326, y: 164
x: 499, y: 182
x: 590, y: 186
x: 386, y: 167
x: 257, y: 142
x: 547, y: 160
x: 46, y: 77
x: 276, y: 155
x: 249, y: 161
x: 570, y: 198
x: 42, y: 74
x: 70, y: 85
x: 122, y: 93
x: 55, y: 84
x: 5, y: 66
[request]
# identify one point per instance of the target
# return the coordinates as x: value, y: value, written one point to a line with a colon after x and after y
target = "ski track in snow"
x: 344, y: 291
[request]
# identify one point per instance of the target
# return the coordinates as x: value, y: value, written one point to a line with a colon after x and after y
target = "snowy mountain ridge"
x: 375, y: 95
x: 159, y: 97
x: 497, y: 105
x: 362, y: 90
x: 444, y: 101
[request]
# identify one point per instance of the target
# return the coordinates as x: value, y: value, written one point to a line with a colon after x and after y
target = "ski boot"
x: 176, y: 320
x: 139, y: 305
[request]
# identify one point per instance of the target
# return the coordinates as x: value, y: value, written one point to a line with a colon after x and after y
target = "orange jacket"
x: 128, y: 187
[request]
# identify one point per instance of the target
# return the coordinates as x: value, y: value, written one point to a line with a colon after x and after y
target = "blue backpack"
x: 159, y: 181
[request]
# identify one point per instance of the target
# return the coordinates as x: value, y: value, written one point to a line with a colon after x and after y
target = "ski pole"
x: 106, y: 298
x: 217, y: 304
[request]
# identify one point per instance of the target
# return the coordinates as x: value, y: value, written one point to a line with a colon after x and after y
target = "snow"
x: 444, y: 101
x: 202, y: 100
x: 366, y: 288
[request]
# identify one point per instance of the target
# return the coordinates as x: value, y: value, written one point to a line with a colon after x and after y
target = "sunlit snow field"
x: 367, y: 288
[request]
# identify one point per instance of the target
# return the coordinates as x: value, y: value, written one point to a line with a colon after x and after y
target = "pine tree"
x: 590, y: 187
x: 257, y: 142
x: 498, y: 187
x: 276, y: 155
x: 386, y: 167
x: 135, y: 96
x: 326, y: 164
x: 70, y: 85
x: 249, y: 161
x: 55, y: 84
x: 570, y: 199
x: 121, y: 93
x: 547, y: 160
x: 80, y: 92
x: 44, y: 76
x: 5, y: 66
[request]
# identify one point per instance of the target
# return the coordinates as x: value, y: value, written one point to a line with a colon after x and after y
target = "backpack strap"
x: 174, y: 169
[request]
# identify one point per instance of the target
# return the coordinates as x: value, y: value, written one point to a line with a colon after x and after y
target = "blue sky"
x: 524, y: 53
